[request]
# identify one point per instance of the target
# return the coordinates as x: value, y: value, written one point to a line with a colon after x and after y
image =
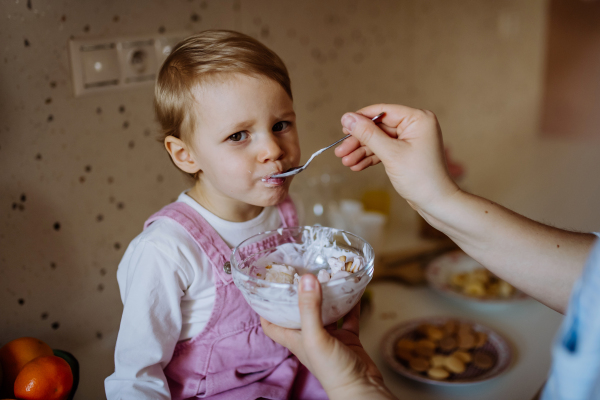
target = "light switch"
x: 100, y: 66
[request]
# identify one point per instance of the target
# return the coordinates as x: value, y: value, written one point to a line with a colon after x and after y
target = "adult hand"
x: 335, y: 356
x: 408, y: 142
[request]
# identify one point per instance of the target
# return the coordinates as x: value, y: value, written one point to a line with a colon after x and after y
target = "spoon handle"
x: 375, y: 119
x: 333, y: 144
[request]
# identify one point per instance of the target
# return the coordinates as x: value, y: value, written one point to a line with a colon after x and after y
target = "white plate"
x: 496, y: 346
x: 440, y: 270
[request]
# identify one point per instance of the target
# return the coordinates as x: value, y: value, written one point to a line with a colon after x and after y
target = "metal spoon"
x: 297, y: 170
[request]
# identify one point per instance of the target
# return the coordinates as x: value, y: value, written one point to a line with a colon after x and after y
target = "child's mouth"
x: 269, y: 180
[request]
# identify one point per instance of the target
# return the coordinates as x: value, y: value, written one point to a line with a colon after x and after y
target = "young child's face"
x: 245, y: 131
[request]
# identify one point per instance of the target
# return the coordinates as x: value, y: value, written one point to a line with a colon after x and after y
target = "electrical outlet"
x: 100, y: 65
x: 138, y: 61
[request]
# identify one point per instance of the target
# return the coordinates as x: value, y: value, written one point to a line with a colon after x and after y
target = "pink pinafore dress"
x: 232, y: 358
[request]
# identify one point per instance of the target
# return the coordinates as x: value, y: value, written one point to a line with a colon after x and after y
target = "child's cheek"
x: 238, y: 172
x: 296, y: 150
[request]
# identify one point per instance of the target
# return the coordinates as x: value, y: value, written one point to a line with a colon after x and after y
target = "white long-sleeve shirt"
x: 167, y: 288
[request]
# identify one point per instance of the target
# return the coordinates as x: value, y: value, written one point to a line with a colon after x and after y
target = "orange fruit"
x: 14, y: 355
x: 44, y: 378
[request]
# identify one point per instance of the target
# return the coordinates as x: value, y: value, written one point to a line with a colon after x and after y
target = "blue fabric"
x: 575, y: 371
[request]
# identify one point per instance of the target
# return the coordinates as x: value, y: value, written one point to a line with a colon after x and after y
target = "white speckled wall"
x: 79, y: 176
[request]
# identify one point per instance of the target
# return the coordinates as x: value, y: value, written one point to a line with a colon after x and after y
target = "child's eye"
x: 238, y: 136
x: 280, y: 126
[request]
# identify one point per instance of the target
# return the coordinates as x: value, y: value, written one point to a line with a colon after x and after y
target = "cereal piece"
x: 480, y: 275
x: 425, y: 348
x: 268, y: 267
x: 493, y: 289
x: 505, y: 289
x: 434, y: 333
x: 448, y: 344
x: 422, y: 329
x: 405, y: 344
x: 463, y: 356
x: 464, y: 328
x: 404, y: 354
x: 342, y: 258
x: 466, y: 341
x: 450, y: 327
x: 480, y: 339
x: 475, y: 289
x: 459, y: 279
x: 404, y: 349
x: 481, y: 283
x: 336, y: 265
x: 454, y: 364
x: 437, y: 360
x: 280, y: 273
x: 296, y: 279
x: 348, y: 266
x: 419, y: 364
x: 323, y: 276
x: 483, y: 360
x: 356, y: 265
x: 438, y: 373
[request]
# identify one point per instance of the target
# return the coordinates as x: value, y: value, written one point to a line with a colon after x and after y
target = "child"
x: 225, y: 106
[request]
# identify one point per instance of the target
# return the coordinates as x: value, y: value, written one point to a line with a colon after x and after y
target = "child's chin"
x: 275, y: 198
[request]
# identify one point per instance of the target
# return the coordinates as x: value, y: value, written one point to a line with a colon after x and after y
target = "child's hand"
x: 409, y: 144
x: 335, y: 356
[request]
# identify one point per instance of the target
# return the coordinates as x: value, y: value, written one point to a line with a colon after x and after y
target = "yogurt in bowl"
x: 319, y: 250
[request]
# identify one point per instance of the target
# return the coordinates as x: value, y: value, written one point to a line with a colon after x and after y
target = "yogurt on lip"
x: 270, y: 181
x: 274, y: 181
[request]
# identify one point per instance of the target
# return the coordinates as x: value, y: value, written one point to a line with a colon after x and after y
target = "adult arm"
x: 540, y: 260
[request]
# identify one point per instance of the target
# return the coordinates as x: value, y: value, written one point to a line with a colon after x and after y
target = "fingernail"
x: 348, y: 122
x: 308, y: 285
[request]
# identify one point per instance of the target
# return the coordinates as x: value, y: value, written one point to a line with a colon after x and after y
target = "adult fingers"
x: 270, y: 329
x: 352, y: 143
x: 395, y: 114
x: 392, y: 131
x: 356, y: 156
x: 365, y: 163
x: 347, y: 147
x: 309, y: 301
x: 286, y: 337
x: 365, y: 130
x: 351, y: 320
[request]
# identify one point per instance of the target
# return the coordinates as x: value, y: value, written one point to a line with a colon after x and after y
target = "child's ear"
x: 181, y: 155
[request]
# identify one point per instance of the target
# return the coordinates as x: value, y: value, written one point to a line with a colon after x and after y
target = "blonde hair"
x: 199, y: 57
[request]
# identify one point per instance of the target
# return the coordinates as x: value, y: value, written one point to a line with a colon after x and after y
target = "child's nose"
x: 271, y: 150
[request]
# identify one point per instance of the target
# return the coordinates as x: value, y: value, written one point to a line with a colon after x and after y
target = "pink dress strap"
x: 202, y: 232
x: 287, y: 212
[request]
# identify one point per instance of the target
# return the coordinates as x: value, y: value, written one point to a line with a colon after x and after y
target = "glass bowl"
x: 307, y: 249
